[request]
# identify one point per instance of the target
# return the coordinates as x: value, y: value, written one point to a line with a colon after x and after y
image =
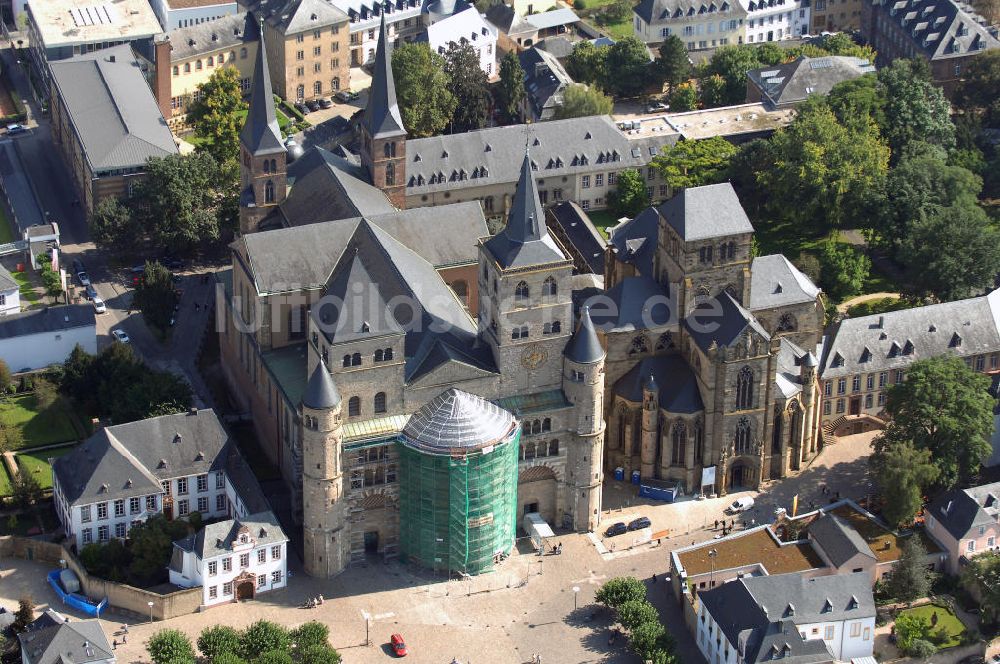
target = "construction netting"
x: 458, y: 512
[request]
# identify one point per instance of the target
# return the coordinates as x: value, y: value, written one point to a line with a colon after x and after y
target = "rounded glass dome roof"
x: 456, y: 422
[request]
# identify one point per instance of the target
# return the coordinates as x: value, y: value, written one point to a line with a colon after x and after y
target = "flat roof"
x: 885, y: 544
x: 71, y: 22
x: 756, y: 547
x: 288, y: 366
x: 729, y: 121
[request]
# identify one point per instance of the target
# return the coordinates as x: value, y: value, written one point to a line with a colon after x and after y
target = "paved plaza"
x: 525, y: 608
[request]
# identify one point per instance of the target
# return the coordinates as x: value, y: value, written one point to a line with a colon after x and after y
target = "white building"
x: 404, y: 22
x: 699, y: 24
x: 39, y: 338
x: 466, y: 27
x: 10, y: 293
x: 175, y: 14
x: 232, y: 560
x: 774, y: 20
x: 174, y: 464
x: 787, y: 616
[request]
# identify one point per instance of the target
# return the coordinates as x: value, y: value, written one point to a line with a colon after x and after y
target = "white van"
x: 740, y: 505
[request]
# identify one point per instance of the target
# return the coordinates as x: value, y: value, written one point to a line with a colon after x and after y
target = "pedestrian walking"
x: 125, y: 637
x: 114, y: 644
x: 716, y: 525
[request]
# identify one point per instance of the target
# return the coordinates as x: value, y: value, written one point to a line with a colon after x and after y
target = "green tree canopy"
x: 178, y: 201
x: 228, y: 658
x: 470, y: 87
x: 943, y: 406
x: 979, y: 91
x: 318, y: 654
x: 627, y: 67
x: 915, y: 108
x: 510, y: 91
x: 24, y: 615
x: 858, y: 100
x: 216, y: 114
x: 155, y: 296
x: 910, y: 579
x: 645, y: 638
x: 696, y: 162
x: 274, y: 657
x: 113, y: 227
x: 683, y: 97
x: 261, y: 637
x: 635, y: 612
x: 217, y: 640
x: 712, y: 91
x: 615, y: 592
x: 902, y: 473
x: 312, y: 633
x: 588, y: 63
x: 732, y: 62
x: 910, y: 627
x: 843, y: 270
x: 983, y: 572
x: 580, y: 101
x: 672, y: 63
x: 25, y: 489
x: 422, y: 89
x: 629, y: 197
x: 170, y: 645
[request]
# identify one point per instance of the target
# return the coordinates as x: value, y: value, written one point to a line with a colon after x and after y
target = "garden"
x: 613, y: 16
x: 262, y: 642
x: 39, y: 424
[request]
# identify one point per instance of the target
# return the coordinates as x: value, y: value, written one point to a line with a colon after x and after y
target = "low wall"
x: 121, y: 596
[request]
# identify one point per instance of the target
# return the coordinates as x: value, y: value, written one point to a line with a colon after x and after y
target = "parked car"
x: 84, y: 278
x: 640, y: 523
x: 171, y: 263
x: 343, y: 96
x: 325, y: 103
x: 740, y: 505
x: 15, y: 129
x: 616, y: 529
x: 398, y: 645
x: 657, y: 106
x: 78, y: 265
x: 312, y: 105
x: 301, y: 108
x: 99, y: 306
x: 120, y: 336
x: 91, y: 293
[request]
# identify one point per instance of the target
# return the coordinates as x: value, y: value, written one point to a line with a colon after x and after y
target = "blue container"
x: 619, y: 473
x: 635, y: 477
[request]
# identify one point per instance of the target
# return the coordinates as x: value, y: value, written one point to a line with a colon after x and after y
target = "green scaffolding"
x: 458, y: 512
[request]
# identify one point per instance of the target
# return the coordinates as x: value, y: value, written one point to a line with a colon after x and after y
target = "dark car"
x: 312, y: 105
x: 325, y: 103
x: 91, y: 292
x: 616, y: 529
x: 78, y: 265
x: 301, y: 108
x: 640, y: 523
x: 172, y: 263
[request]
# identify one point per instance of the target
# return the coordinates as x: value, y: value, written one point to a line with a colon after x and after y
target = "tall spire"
x: 584, y: 347
x: 382, y: 116
x: 260, y: 133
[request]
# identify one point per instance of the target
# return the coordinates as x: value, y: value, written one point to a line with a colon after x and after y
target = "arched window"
x: 380, y: 402
x: 536, y: 426
x: 211, y: 61
x: 385, y: 149
x: 317, y: 87
x: 554, y: 448
x: 699, y: 442
x: 741, y: 440
x: 177, y: 70
x: 521, y: 291
x: 776, y: 431
x: 556, y: 327
x: 665, y: 341
x: 300, y: 92
x: 187, y: 67
x: 622, y: 419
x: 488, y: 204
x: 354, y: 407
x: 269, y: 192
x: 232, y: 56
x: 274, y: 166
x: 356, y: 360
x: 529, y: 450
x: 549, y: 287
x: 744, y: 389
x: 243, y: 54
x: 267, y: 166
x: 347, y: 360
x: 387, y: 354
x: 390, y: 174
x: 197, y: 65
x: 678, y: 440
x: 786, y: 323
x: 547, y: 424
x: 542, y: 449
x: 379, y: 355
x: 335, y: 83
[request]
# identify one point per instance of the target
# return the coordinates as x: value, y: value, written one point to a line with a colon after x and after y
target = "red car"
x: 398, y: 645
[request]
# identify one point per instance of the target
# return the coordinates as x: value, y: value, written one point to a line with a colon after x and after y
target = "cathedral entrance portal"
x: 371, y: 541
x: 738, y: 475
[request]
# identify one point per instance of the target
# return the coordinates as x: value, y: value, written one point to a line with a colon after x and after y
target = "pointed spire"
x: 260, y: 133
x: 584, y: 347
x: 650, y: 384
x: 382, y: 116
x: 321, y: 392
x: 526, y: 221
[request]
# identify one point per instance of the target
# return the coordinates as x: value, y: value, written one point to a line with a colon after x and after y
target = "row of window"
x: 318, y: 68
x: 227, y: 587
x: 185, y: 100
x: 971, y: 545
x: 522, y: 293
x: 354, y: 405
x: 201, y: 482
x: 227, y: 563
x: 354, y: 359
x: 883, y: 379
x: 134, y: 505
x: 841, y: 403
x: 184, y: 23
x: 210, y: 61
x: 541, y: 449
x: 104, y: 532
x: 521, y: 331
x: 317, y: 34
x: 375, y: 476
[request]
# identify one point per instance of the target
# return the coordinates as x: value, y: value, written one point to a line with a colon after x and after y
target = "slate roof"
x: 6, y: 281
x: 223, y: 32
x: 552, y: 18
x: 321, y: 392
x: 710, y: 211
x: 131, y: 459
x: 652, y: 11
x: 381, y: 116
x: 636, y: 240
x: 677, y: 384
x: 260, y: 133
x: 776, y: 282
x: 112, y: 109
x: 789, y: 358
x: 216, y: 539
x: 940, y: 29
x: 79, y: 642
x: 545, y: 80
x: 464, y: 26
x: 48, y: 319
x: 456, y: 422
x: 581, y: 233
x: 635, y: 303
x: 962, y: 510
x: 838, y: 540
x: 792, y: 82
x: 897, y: 338
x: 508, y: 21
x: 722, y: 321
x: 321, y: 181
x: 294, y: 16
x: 584, y: 347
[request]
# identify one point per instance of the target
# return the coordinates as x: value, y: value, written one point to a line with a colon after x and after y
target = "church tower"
x: 383, y: 137
x: 324, y: 520
x: 525, y: 305
x: 263, y: 158
x: 583, y: 385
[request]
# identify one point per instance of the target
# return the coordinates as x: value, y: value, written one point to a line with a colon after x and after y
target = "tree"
x: 274, y: 657
x: 617, y: 11
x: 921, y: 649
x: 627, y: 67
x: 909, y: 627
x: 672, y: 62
x: 45, y: 392
x: 318, y: 654
x: 216, y: 114
x: 113, y: 227
x: 170, y: 646
x: 635, y: 612
x: 312, y: 633
x: 902, y: 472
x: 218, y: 640
x: 979, y: 91
x: 630, y: 196
x: 155, y: 296
x: 944, y: 407
x: 261, y: 637
x: 422, y: 89
x: 24, y: 615
x: 910, y: 579
x: 510, y: 91
x: 6, y: 377
x: 179, y: 200
x: 809, y: 265
x: 712, y: 91
x: 732, y: 62
x: 26, y: 489
x: 645, y: 637
x: 470, y: 87
x: 150, y: 547
x: 844, y: 269
x: 588, y: 63
x: 769, y: 54
x: 683, y: 97
x: 983, y: 573
x: 580, y: 101
x: 915, y: 108
x: 229, y: 658
x: 11, y: 437
x: 695, y: 163
x: 858, y: 100
x: 619, y: 590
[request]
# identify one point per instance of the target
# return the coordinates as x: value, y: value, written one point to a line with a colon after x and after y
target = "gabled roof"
x: 635, y: 303
x: 545, y: 80
x: 940, y: 29
x: 361, y: 311
x: 382, y: 117
x: 507, y: 20
x: 552, y: 18
x: 584, y: 347
x: 721, y: 321
x: 776, y: 282
x: 464, y: 26
x: 223, y: 32
x: 838, y: 540
x: 112, y: 109
x: 321, y: 392
x: 296, y: 16
x: 961, y: 511
x: 710, y: 211
x: 76, y: 642
x: 260, y: 133
x: 794, y: 81
x: 217, y: 539
x: 48, y: 319
x: 324, y: 184
x: 652, y: 11
x: 790, y: 357
x: 581, y: 234
x: 635, y: 240
x: 671, y: 375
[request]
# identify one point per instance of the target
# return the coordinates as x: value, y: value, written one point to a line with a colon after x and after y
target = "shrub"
x: 169, y: 646
x: 579, y: 5
x: 262, y: 637
x: 218, y: 640
x: 229, y: 658
x: 921, y: 649
x: 312, y: 633
x: 274, y: 657
x: 319, y: 654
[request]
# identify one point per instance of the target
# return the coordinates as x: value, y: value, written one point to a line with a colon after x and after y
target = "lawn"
x: 603, y: 219
x: 283, y: 123
x: 5, y: 487
x: 949, y: 629
x: 37, y: 463
x: 53, y: 425
x: 27, y: 290
x: 618, y: 30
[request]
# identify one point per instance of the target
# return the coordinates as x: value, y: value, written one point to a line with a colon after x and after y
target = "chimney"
x: 111, y: 58
x: 161, y: 75
x: 192, y: 411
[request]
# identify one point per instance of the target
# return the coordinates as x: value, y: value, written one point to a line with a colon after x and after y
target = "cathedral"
x: 359, y: 333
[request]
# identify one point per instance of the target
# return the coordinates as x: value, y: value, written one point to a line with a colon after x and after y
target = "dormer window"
x: 827, y: 606
x: 853, y: 603
x: 894, y: 350
x: 866, y: 355
x: 956, y: 341
x: 838, y: 360
x: 908, y: 348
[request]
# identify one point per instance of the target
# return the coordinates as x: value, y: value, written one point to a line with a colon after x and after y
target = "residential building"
x: 106, y: 123
x: 466, y: 27
x: 54, y: 639
x: 531, y: 7
x: 699, y: 24
x: 545, y: 81
x: 946, y: 34
x: 775, y: 20
x: 836, y: 16
x: 404, y: 23
x: 172, y: 465
x: 789, y: 84
x: 38, y: 338
x: 196, y: 52
x: 175, y: 14
x: 232, y: 560
x: 788, y: 617
x: 10, y: 293
x: 307, y: 47
x: 61, y: 29
x: 965, y: 523
x: 512, y: 25
x: 865, y: 356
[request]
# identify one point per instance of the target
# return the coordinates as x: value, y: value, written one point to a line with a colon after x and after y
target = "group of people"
x: 314, y: 602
